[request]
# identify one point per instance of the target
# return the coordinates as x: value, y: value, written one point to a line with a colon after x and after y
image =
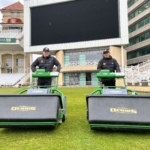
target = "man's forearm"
x: 33, y: 68
x: 58, y: 68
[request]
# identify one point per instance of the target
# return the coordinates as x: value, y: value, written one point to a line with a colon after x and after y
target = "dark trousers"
x: 44, y: 81
x: 109, y: 83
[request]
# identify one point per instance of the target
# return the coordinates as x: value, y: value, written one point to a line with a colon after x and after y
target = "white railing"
x: 81, y: 83
x: 79, y: 63
x: 134, y: 74
x: 142, y: 66
x: 9, y: 33
x: 138, y: 74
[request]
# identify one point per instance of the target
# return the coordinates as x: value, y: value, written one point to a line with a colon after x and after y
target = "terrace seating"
x: 10, y: 79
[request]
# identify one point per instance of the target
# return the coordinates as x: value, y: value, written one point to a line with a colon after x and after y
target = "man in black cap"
x: 47, y: 62
x: 108, y: 63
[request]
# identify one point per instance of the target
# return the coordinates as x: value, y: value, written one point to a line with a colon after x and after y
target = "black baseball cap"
x: 46, y: 49
x: 105, y: 51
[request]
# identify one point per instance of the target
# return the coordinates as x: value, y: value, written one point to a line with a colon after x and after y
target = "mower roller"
x: 40, y: 106
x: 117, y: 107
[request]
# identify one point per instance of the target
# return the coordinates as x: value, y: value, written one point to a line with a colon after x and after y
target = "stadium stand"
x: 10, y: 79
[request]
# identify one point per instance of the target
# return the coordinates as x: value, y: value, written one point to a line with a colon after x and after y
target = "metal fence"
x: 138, y: 74
x: 80, y: 63
x: 9, y: 33
x: 135, y: 75
x: 81, y: 83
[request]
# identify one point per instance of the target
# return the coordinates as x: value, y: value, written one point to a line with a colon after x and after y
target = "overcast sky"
x: 4, y: 3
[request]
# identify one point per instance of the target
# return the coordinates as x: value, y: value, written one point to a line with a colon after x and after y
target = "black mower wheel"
x: 64, y: 118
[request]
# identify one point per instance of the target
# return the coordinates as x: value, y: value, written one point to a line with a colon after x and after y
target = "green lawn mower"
x: 117, y: 107
x: 40, y: 106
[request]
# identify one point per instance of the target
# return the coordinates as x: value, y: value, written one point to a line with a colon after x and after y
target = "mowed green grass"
x: 74, y: 133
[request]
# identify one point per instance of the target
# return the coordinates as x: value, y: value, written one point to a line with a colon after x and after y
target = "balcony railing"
x: 81, y: 83
x: 9, y: 33
x: 134, y: 74
x: 80, y: 63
